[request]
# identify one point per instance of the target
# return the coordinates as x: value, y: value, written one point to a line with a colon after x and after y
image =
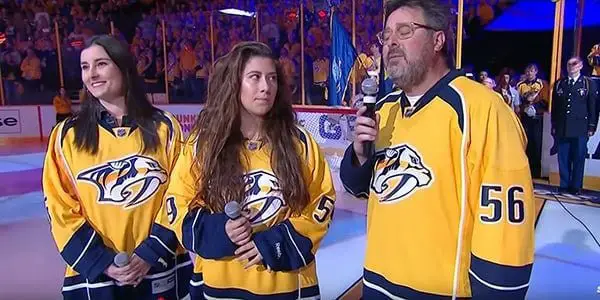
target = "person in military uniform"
x: 534, y: 102
x: 574, y: 119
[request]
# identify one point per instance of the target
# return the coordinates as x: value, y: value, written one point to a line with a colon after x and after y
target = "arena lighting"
x: 237, y: 12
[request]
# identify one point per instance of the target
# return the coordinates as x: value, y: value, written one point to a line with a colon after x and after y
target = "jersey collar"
x: 433, y: 92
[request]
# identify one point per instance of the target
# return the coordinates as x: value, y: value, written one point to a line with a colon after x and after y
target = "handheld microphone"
x: 232, y: 210
x: 369, y: 89
x: 121, y: 259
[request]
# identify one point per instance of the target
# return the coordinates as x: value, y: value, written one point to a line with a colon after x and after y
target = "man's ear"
x: 439, y: 40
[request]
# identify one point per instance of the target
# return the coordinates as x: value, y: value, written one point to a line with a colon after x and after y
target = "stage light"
x: 237, y: 12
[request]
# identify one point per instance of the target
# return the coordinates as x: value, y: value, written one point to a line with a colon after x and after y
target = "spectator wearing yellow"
x: 62, y: 105
x: 594, y: 59
x: 31, y: 70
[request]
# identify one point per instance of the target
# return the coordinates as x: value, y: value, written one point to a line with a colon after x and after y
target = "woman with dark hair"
x: 246, y: 149
x: 105, y: 173
x: 508, y: 92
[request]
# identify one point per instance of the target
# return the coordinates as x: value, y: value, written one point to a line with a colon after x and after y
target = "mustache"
x: 395, y: 52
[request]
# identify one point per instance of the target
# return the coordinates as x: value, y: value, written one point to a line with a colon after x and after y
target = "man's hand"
x: 365, y: 130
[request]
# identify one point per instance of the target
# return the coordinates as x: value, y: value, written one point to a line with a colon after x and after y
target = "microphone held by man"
x: 367, y: 122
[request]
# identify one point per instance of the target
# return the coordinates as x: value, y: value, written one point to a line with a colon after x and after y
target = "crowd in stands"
x: 30, y: 58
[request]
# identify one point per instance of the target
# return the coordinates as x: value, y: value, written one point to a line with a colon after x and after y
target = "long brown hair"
x: 220, y: 140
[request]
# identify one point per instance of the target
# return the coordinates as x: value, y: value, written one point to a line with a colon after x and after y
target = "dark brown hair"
x: 220, y: 141
x: 139, y: 109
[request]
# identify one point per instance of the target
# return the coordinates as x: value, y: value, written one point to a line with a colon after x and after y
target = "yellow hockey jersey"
x: 288, y: 244
x: 102, y: 204
x: 451, y: 209
x: 540, y: 102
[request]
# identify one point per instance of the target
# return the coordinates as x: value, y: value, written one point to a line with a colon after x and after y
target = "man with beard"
x: 451, y: 210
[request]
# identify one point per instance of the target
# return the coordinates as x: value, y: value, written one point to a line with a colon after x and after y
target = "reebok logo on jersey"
x: 128, y: 181
x: 263, y: 200
x: 399, y: 171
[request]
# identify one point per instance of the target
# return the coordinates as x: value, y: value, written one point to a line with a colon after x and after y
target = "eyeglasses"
x: 403, y: 31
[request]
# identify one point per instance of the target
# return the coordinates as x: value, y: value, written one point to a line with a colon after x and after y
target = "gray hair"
x: 437, y: 15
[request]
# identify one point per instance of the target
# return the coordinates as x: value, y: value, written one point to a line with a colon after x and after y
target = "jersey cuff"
x: 104, y: 261
x: 204, y: 234
x: 490, y: 280
x: 283, y: 248
x: 158, y: 248
x: 356, y: 179
x: 86, y: 253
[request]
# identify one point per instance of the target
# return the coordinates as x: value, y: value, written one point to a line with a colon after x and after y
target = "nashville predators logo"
x: 399, y: 171
x: 263, y: 200
x: 129, y: 181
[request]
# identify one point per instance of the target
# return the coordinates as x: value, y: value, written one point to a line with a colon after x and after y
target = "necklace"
x: 253, y: 145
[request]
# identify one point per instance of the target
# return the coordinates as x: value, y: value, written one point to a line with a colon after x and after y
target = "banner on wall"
x: 10, y: 121
x: 20, y: 122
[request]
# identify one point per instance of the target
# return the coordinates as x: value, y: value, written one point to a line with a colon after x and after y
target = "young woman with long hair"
x: 247, y: 148
x: 105, y: 174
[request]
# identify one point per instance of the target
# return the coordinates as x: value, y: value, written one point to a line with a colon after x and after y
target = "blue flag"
x: 341, y: 61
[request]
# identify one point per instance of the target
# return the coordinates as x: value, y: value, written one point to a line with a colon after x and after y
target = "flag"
x: 341, y: 61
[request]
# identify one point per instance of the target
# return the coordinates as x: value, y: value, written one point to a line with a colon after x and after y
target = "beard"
x: 407, y: 72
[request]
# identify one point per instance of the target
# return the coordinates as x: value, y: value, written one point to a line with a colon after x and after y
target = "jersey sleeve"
x: 502, y: 202
x: 199, y: 230
x: 161, y: 245
x: 79, y: 244
x: 292, y: 244
x: 356, y: 179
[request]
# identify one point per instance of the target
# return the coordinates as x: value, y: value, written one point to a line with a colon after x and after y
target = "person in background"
x: 533, y: 93
x: 594, y: 60
x: 489, y: 82
x: 508, y: 92
x: 247, y: 148
x: 104, y: 176
x: 451, y: 209
x: 574, y: 120
x: 62, y: 105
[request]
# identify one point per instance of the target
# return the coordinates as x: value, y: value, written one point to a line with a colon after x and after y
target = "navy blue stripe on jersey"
x: 164, y: 118
x: 308, y: 292
x: 450, y: 96
x: 376, y: 286
x: 159, y: 247
x: 69, y: 123
x: 493, y: 280
x: 204, y: 234
x: 165, y: 284
x: 304, y: 141
x: 86, y: 253
x: 356, y: 180
x: 197, y: 287
x: 434, y: 91
x: 283, y: 248
x: 389, y: 98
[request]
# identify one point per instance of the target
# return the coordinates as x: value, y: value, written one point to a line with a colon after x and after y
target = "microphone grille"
x: 232, y: 209
x: 369, y: 86
x: 121, y: 259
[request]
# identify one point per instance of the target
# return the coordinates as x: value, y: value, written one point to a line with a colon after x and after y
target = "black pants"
x: 533, y: 130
